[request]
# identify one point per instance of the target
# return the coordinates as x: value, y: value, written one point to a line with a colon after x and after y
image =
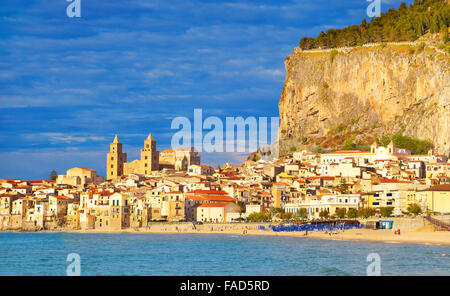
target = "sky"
x: 68, y: 85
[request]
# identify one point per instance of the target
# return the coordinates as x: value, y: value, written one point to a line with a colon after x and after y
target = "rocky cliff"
x: 364, y: 93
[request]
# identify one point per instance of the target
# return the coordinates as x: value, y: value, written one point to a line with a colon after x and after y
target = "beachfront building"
x: 57, y: 206
x: 119, y: 210
x: 395, y: 199
x: 197, y: 197
x: 175, y: 200
x: 329, y: 203
x: 437, y: 198
x: 216, y: 212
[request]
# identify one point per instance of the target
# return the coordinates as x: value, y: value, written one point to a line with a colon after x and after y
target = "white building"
x: 218, y: 212
x: 198, y: 169
x: 327, y: 202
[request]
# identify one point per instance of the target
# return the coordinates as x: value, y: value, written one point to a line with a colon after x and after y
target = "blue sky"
x: 67, y: 85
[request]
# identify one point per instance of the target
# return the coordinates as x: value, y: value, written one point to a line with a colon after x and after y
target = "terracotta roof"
x: 211, y: 198
x: 201, y: 191
x: 321, y: 177
x: 441, y: 187
x: 346, y: 151
x: 167, y: 151
x: 60, y: 197
x: 382, y: 180
x: 214, y: 205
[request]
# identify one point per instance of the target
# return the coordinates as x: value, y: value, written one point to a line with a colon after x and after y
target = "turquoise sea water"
x: 210, y: 254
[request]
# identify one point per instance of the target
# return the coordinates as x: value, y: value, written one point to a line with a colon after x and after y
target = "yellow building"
x: 119, y: 211
x: 176, y: 206
x: 438, y: 198
x: 116, y: 165
x: 115, y: 160
x: 278, y: 190
x: 79, y: 177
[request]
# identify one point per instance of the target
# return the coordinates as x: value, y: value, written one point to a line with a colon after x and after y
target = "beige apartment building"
x: 217, y: 212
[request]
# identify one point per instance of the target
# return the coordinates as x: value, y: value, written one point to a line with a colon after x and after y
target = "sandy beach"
x: 419, y: 235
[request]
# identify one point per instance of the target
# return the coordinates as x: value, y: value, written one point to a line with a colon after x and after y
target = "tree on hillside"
x: 404, y: 24
x: 349, y: 144
x: 343, y: 187
x: 444, y: 34
x: 53, y: 175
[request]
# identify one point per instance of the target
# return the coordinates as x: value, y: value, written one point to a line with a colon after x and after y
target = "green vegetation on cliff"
x: 416, y: 146
x: 404, y: 24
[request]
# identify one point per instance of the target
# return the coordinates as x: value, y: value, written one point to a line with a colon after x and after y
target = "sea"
x: 29, y: 254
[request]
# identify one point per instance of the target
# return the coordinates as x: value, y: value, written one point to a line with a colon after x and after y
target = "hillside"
x: 359, y: 94
x: 404, y: 24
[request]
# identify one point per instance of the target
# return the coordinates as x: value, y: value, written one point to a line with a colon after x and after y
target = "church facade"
x: 117, y: 165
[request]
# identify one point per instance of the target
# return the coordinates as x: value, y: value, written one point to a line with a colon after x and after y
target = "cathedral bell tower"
x: 115, y: 160
x: 149, y: 156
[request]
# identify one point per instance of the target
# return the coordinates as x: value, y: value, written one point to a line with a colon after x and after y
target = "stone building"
x: 115, y: 160
x: 180, y: 159
x: 79, y: 177
x: 117, y: 165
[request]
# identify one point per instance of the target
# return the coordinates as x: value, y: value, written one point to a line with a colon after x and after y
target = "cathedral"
x: 151, y: 160
x: 117, y: 165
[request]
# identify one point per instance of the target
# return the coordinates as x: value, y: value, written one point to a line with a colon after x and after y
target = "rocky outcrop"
x: 365, y: 92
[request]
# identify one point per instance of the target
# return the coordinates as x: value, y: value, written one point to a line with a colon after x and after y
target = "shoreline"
x: 363, y: 235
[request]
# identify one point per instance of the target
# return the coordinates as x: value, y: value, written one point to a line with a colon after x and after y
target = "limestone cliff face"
x: 365, y: 92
